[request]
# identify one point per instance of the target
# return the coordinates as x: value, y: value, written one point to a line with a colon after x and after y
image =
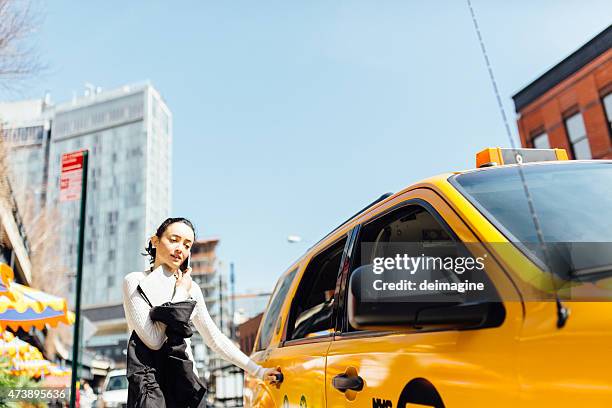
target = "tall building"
x: 570, y: 105
x: 26, y: 128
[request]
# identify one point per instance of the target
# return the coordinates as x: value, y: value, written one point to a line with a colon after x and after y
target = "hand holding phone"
x: 183, y: 278
x: 186, y: 264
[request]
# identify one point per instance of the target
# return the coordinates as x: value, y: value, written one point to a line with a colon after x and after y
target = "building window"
x: 541, y: 141
x: 113, y: 216
x: 576, y: 132
x: 133, y: 225
x: 607, y: 102
x: 135, y: 152
x: 116, y: 114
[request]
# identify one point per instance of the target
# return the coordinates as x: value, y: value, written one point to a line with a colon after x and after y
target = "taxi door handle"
x: 344, y: 382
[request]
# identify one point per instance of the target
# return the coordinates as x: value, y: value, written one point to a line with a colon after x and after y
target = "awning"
x: 24, y: 307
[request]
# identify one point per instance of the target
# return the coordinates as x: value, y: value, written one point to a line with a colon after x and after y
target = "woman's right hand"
x: 183, y: 279
x: 273, y: 375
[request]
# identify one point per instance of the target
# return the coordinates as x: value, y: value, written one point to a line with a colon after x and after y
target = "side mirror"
x: 370, y: 308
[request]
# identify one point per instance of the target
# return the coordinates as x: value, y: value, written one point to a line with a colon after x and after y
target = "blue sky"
x: 291, y: 116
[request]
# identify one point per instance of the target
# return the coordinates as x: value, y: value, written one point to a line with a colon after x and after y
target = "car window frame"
x: 342, y: 329
x: 324, y: 337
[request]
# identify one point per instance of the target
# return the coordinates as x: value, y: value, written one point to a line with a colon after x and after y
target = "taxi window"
x: 410, y: 228
x: 410, y: 224
x: 278, y: 297
x: 312, y: 308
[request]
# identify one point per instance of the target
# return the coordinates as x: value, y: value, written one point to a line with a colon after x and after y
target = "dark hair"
x: 150, y: 250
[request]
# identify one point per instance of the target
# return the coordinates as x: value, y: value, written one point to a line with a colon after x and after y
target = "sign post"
x: 73, y: 185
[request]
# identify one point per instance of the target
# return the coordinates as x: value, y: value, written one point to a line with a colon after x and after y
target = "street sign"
x: 74, y: 177
x: 71, y: 176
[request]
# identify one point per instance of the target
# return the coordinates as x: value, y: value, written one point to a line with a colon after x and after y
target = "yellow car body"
x: 526, y: 361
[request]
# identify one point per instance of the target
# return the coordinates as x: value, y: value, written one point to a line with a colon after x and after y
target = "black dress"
x: 165, y: 377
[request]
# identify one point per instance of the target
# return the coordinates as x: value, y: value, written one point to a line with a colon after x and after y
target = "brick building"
x: 570, y: 105
x: 247, y: 332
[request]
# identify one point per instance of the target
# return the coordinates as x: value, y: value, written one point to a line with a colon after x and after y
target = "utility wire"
x: 562, y: 311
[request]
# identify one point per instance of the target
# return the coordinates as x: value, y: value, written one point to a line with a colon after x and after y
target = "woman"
x: 168, y: 249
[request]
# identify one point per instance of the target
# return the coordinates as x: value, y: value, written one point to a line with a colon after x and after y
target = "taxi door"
x: 305, y: 339
x: 303, y: 368
x: 444, y: 368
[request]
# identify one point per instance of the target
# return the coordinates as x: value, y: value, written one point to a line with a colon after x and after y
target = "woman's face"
x: 174, y: 246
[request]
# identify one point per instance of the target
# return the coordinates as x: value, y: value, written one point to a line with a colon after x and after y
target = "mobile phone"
x: 186, y: 264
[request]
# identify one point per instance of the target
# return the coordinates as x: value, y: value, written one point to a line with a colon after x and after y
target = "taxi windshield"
x: 572, y: 201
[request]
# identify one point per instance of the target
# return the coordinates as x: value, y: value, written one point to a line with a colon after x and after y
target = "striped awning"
x: 24, y: 307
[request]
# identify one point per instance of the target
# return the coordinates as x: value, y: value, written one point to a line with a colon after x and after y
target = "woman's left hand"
x: 272, y: 375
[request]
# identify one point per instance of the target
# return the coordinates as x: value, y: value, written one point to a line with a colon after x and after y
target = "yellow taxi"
x: 538, y: 335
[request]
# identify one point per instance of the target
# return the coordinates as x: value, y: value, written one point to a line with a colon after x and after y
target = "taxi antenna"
x: 562, y: 311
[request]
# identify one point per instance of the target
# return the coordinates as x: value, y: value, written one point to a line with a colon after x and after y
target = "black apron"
x: 165, y: 378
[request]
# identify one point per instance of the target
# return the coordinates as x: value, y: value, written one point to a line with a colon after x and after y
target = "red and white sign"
x: 71, y: 176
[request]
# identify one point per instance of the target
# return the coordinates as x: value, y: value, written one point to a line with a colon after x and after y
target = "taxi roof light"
x: 496, y: 156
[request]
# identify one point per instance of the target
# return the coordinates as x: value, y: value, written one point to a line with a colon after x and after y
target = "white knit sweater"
x: 153, y: 334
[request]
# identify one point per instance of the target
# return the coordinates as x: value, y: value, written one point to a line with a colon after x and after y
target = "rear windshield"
x: 572, y: 202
